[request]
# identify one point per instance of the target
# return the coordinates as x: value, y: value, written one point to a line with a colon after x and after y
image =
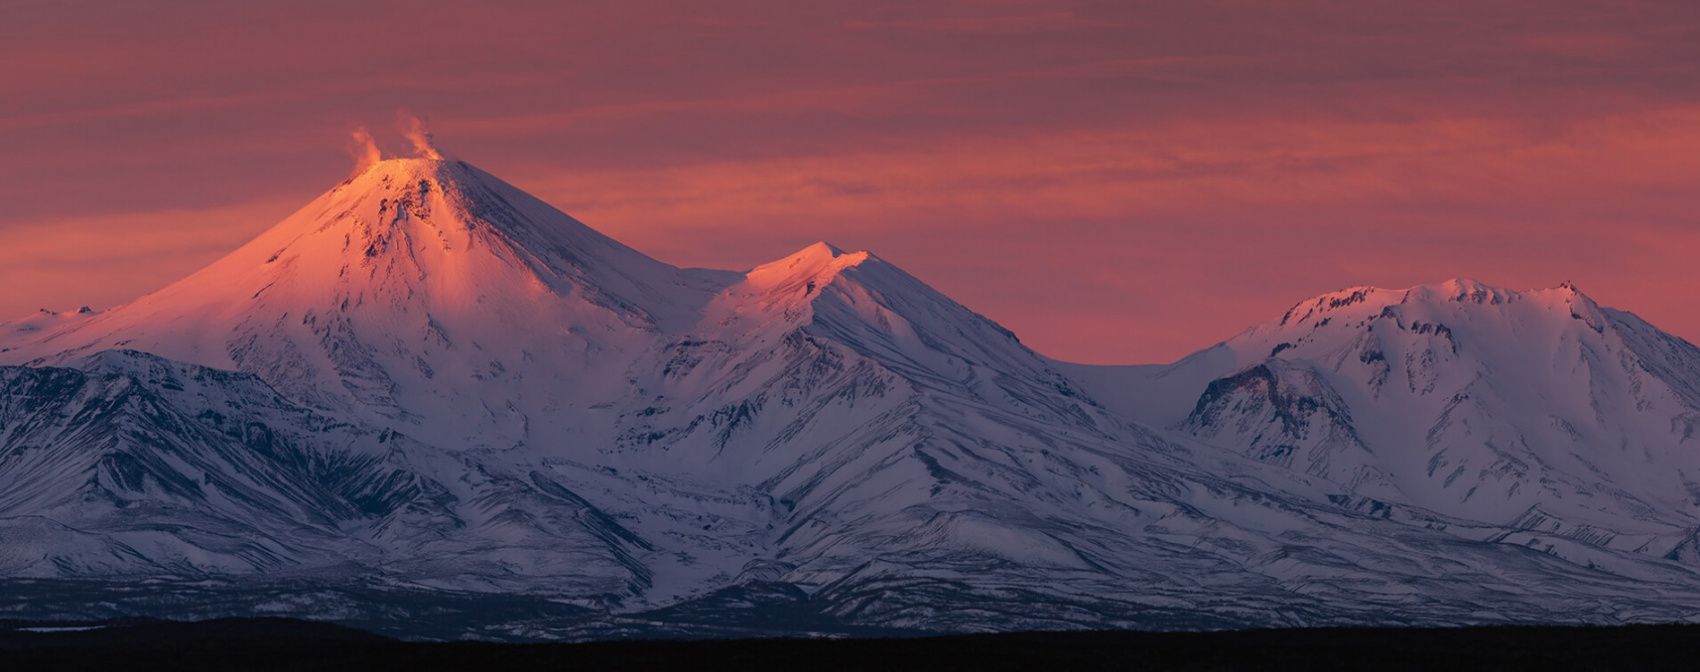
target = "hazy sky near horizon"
x: 1114, y: 181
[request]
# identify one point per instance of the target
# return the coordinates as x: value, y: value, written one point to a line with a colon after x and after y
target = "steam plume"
x: 414, y: 128
x: 364, y: 150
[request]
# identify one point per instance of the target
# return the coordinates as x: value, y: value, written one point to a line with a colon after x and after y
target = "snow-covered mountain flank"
x: 428, y: 397
x: 1540, y: 410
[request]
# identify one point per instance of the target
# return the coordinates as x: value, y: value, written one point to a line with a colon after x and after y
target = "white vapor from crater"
x: 413, y: 128
x: 364, y: 149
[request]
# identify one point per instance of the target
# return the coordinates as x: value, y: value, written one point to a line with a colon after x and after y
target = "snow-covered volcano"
x: 429, y: 389
x: 418, y: 289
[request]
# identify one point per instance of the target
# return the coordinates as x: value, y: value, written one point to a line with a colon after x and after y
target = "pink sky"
x: 1116, y: 182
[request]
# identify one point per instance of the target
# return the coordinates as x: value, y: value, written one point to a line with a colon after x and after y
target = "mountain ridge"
x: 1439, y: 394
x: 427, y: 381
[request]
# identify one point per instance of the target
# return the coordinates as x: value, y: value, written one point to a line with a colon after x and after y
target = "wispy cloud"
x: 1040, y: 160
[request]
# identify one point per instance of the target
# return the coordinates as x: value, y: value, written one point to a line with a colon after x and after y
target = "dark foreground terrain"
x: 267, y: 644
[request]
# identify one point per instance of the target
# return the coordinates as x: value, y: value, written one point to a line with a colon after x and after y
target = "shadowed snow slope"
x: 427, y: 381
x: 1537, y: 410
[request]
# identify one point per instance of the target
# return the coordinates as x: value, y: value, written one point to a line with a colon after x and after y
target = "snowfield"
x: 431, y: 404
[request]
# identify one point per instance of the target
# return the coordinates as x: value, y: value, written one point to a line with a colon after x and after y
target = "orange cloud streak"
x: 1113, y: 181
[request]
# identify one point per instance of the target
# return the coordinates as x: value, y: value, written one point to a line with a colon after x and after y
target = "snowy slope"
x: 29, y: 327
x: 415, y: 272
x: 132, y: 465
x: 427, y: 388
x: 1536, y: 409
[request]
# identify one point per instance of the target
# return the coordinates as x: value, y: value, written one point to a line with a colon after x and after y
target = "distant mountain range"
x: 430, y: 397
